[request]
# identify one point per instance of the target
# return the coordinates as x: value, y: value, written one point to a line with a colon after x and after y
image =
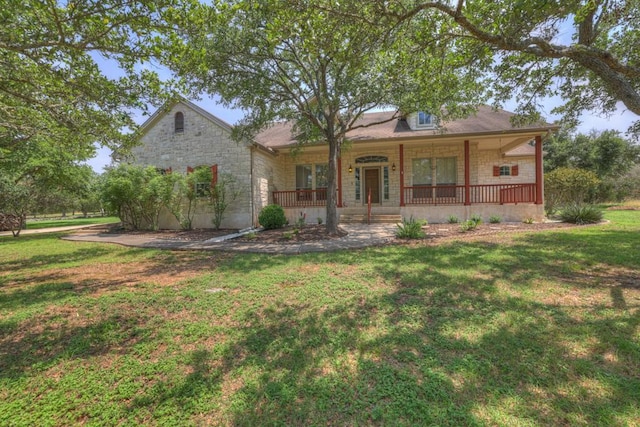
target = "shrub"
x: 528, y: 220
x: 568, y: 186
x: 410, y: 229
x: 469, y: 225
x: 581, y: 214
x: 319, y: 221
x: 453, y: 219
x: 495, y: 219
x: 477, y: 219
x: 222, y: 195
x: 137, y: 194
x: 272, y: 216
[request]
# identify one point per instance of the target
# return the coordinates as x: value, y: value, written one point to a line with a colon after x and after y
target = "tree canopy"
x: 53, y: 94
x: 298, y: 61
x: 584, y: 51
x: 606, y: 153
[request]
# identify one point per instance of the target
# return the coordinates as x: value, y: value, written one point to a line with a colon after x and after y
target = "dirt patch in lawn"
x: 163, y: 270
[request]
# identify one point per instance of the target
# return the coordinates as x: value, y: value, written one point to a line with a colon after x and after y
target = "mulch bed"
x: 313, y: 232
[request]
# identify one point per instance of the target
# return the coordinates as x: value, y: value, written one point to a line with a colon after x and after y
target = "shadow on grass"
x: 447, y: 346
x: 443, y: 343
x: 42, y: 343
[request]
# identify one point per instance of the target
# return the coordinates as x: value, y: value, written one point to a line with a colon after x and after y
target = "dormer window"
x: 179, y: 122
x: 425, y: 120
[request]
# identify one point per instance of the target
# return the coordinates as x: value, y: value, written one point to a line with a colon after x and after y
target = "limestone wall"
x: 202, y: 143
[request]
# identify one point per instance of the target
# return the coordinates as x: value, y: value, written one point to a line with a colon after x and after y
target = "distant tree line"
x: 594, y: 167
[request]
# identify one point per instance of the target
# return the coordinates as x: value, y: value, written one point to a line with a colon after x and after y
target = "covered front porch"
x: 462, y: 178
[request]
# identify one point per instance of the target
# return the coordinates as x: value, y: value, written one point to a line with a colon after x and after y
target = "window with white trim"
x: 424, y: 120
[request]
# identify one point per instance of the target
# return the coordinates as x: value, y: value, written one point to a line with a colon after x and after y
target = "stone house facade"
x: 407, y: 167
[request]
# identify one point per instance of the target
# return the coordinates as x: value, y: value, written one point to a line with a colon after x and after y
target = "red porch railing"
x: 300, y: 198
x: 454, y: 194
x: 426, y: 195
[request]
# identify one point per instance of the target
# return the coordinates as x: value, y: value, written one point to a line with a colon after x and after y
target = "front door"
x: 372, y: 182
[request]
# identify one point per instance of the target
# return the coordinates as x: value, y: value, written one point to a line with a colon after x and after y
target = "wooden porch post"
x: 539, y: 197
x: 339, y: 182
x: 401, y: 175
x: 467, y: 174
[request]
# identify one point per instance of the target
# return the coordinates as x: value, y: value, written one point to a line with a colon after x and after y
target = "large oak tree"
x: 300, y: 61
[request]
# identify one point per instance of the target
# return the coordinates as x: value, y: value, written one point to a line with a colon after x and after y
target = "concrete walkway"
x: 359, y: 236
x: 51, y: 229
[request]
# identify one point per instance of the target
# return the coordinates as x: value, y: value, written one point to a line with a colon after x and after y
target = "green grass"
x: 32, y: 225
x: 527, y: 329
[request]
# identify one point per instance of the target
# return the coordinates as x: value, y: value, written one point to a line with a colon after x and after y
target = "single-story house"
x: 412, y: 166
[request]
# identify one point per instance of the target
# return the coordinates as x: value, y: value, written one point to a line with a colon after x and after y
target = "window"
x: 422, y: 172
x: 505, y: 170
x: 178, y: 122
x: 322, y: 181
x: 385, y: 182
x: 372, y: 159
x: 203, y: 189
x: 444, y: 174
x: 304, y: 178
x: 425, y: 120
x: 357, y: 181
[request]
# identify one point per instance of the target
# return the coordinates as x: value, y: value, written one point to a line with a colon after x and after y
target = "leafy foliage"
x: 410, y: 229
x: 222, y: 194
x: 453, y: 219
x: 15, y: 199
x: 495, y: 219
x: 272, y: 216
x: 581, y: 214
x: 296, y: 61
x: 585, y: 52
x: 568, y: 186
x: 53, y: 95
x: 606, y: 154
x: 137, y: 194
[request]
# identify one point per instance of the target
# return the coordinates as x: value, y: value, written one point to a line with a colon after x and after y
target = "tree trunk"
x: 332, y: 187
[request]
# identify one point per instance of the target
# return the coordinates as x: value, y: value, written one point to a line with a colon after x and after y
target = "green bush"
x: 581, y: 214
x: 453, y: 219
x: 136, y: 194
x: 476, y: 218
x: 495, y: 219
x: 272, y: 216
x: 568, y: 186
x: 468, y: 225
x: 410, y: 229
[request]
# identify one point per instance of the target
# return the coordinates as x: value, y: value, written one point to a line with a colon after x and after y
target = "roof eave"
x: 463, y: 135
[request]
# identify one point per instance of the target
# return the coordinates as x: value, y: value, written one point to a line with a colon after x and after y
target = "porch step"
x: 375, y: 219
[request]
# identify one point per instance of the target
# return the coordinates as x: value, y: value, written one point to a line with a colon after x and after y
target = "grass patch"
x: 541, y: 329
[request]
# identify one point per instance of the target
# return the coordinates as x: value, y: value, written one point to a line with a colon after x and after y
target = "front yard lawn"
x: 530, y: 329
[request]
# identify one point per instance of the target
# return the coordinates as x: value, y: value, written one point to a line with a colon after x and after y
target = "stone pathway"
x: 359, y: 236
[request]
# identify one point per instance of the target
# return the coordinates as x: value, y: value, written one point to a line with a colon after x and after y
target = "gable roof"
x: 160, y: 112
x: 485, y: 121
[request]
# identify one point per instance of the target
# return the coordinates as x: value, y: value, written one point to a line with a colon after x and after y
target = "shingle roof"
x: 486, y: 120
